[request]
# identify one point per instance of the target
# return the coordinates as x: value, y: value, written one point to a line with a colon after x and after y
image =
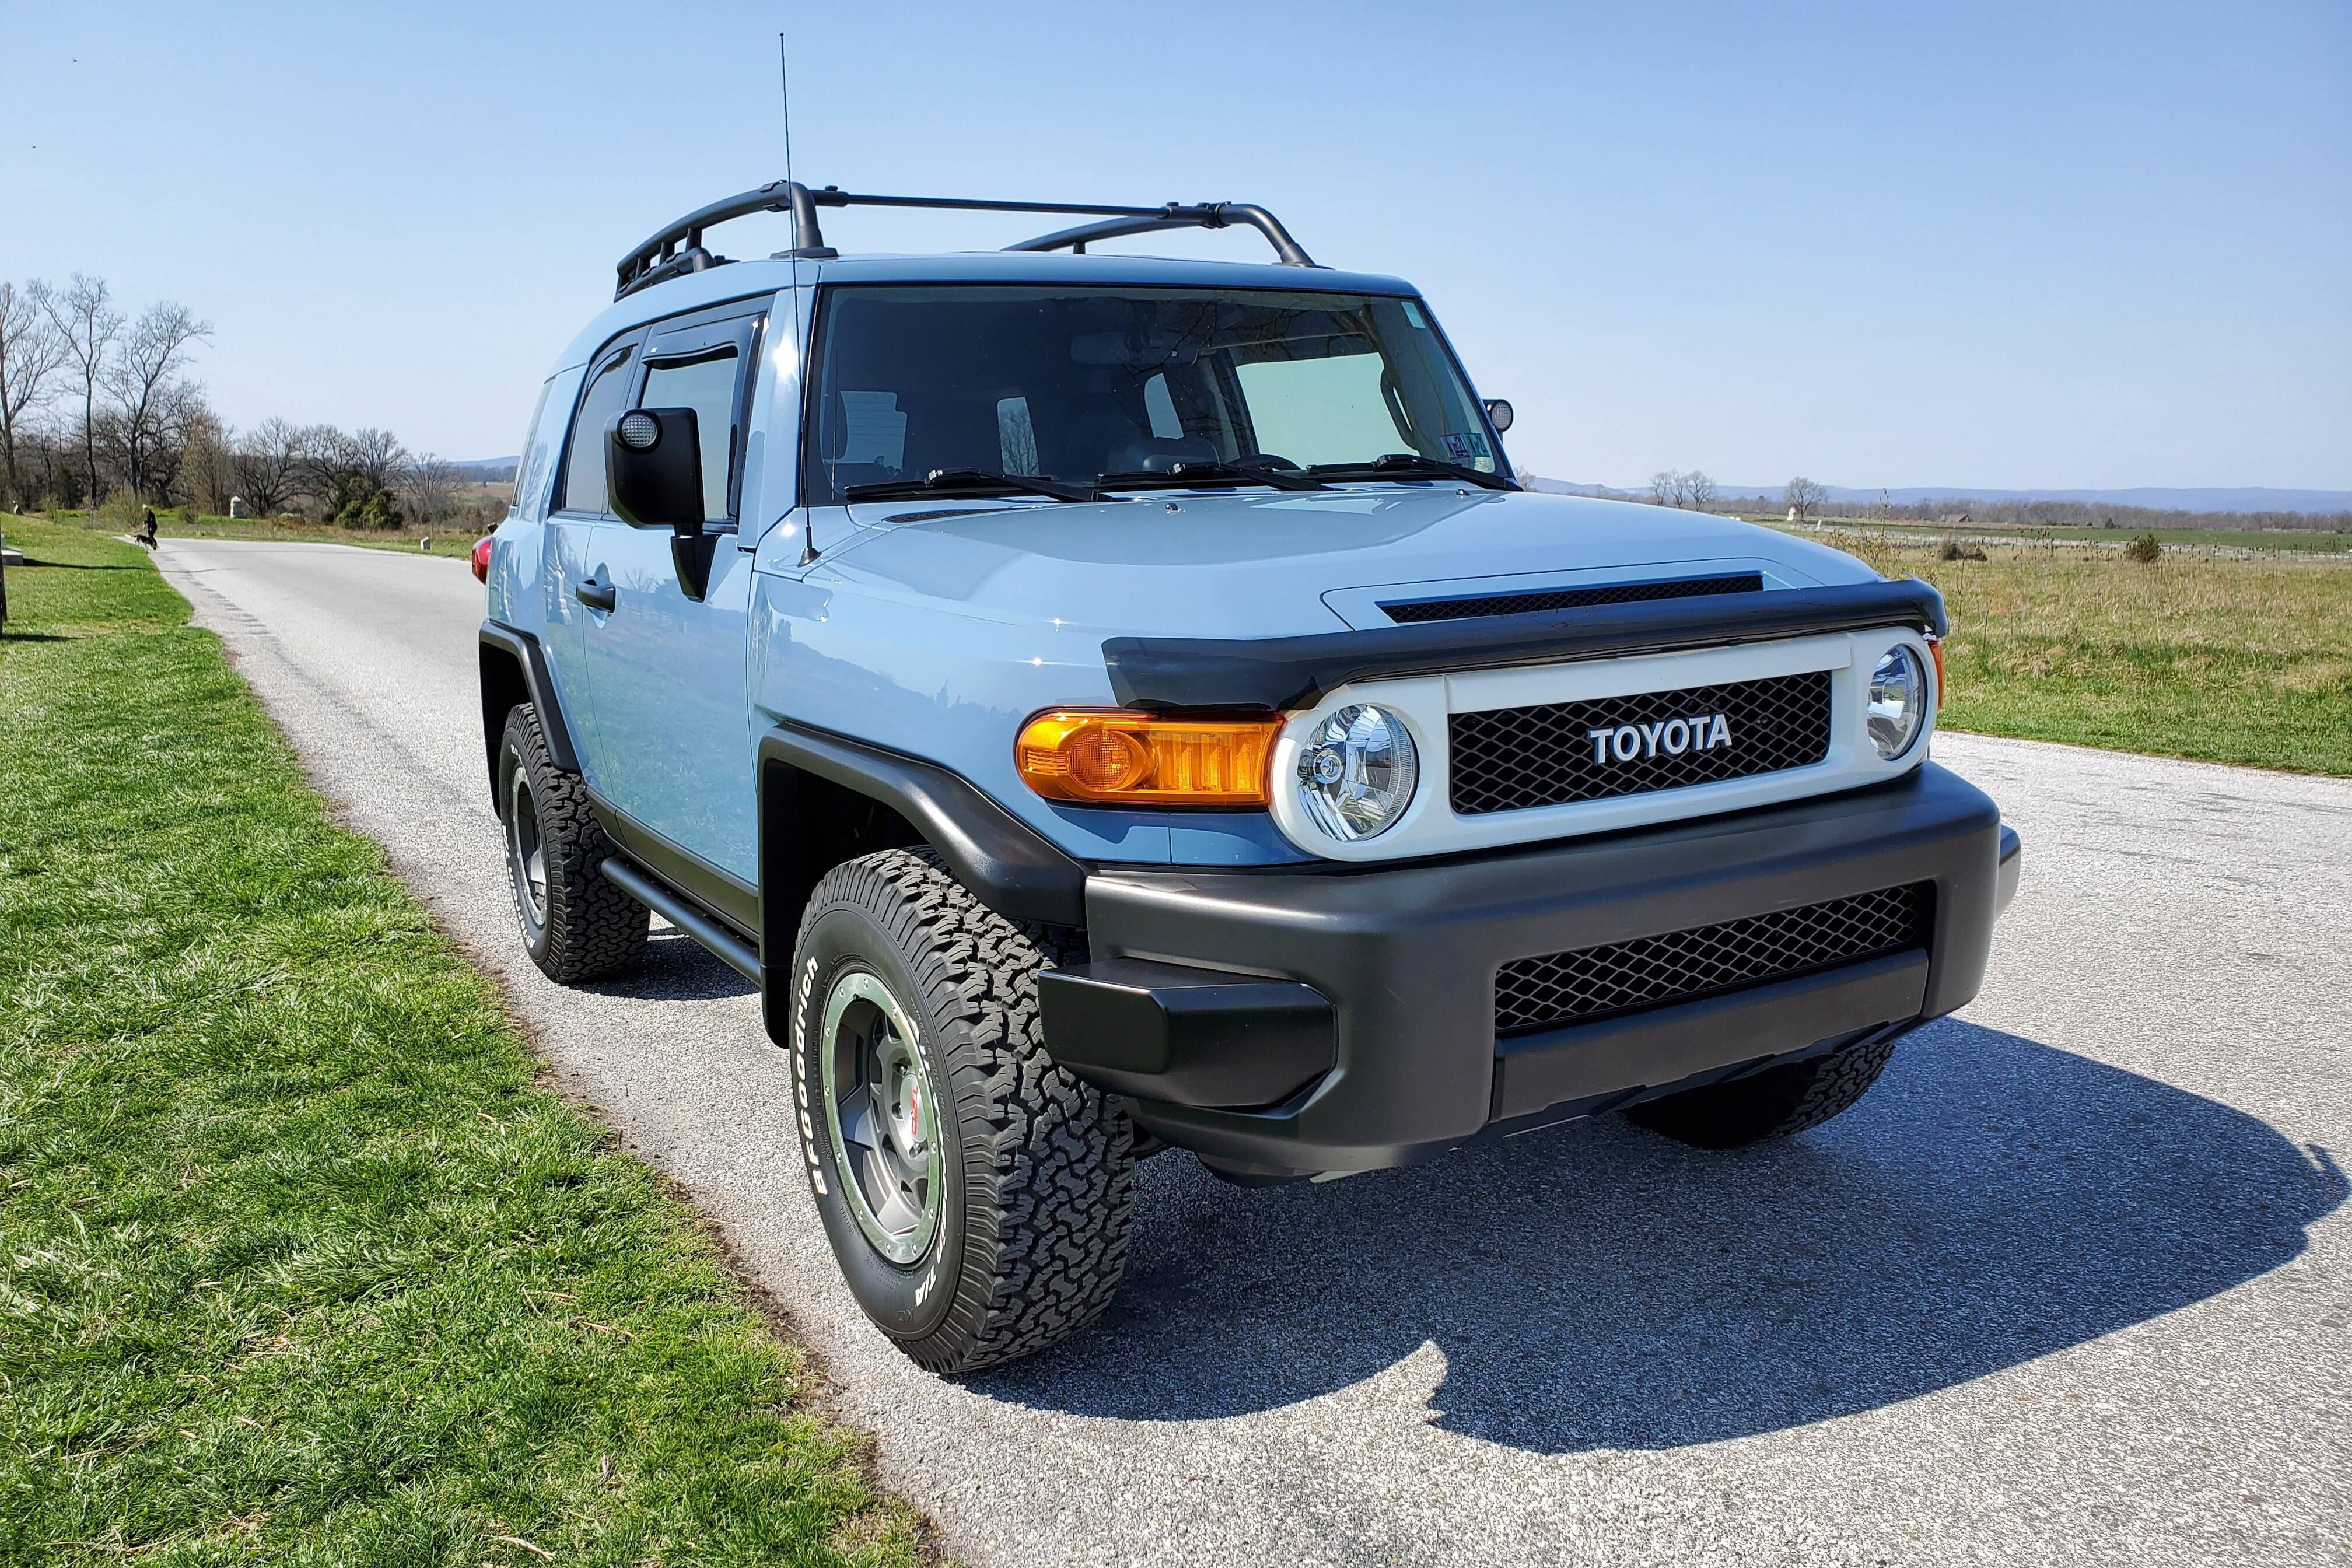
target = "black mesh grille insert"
x: 1510, y: 759
x: 1571, y: 598
x: 1625, y: 977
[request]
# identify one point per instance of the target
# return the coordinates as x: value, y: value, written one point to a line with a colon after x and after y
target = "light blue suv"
x: 1108, y: 703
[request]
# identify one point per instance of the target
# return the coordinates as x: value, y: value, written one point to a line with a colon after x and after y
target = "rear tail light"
x: 1111, y: 757
x: 482, y: 559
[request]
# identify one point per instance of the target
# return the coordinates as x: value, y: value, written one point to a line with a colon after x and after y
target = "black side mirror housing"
x: 653, y: 472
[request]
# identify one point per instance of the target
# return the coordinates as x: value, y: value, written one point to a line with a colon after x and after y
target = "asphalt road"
x: 2070, y: 1286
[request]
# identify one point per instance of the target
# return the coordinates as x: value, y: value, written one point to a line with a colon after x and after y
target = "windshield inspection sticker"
x: 1466, y: 447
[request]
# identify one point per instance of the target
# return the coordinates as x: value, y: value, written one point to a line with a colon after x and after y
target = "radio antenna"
x: 800, y: 366
x: 784, y: 78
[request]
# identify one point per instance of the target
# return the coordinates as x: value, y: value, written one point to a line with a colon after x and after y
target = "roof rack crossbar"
x: 661, y: 257
x: 1204, y: 214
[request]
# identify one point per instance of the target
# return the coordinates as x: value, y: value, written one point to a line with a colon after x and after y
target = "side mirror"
x: 1499, y: 413
x: 653, y: 472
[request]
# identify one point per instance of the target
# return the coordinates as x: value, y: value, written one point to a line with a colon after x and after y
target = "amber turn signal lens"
x: 1935, y: 650
x: 1114, y: 757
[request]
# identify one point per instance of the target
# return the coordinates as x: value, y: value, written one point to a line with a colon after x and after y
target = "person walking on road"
x: 147, y: 528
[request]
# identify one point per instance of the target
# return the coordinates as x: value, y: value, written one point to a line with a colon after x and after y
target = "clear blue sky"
x: 1985, y: 244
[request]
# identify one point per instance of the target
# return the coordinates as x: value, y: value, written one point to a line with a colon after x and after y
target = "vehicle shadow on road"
x: 1592, y: 1286
x: 677, y: 968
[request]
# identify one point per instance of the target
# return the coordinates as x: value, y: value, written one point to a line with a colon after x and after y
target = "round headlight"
x: 1356, y: 771
x: 1898, y: 701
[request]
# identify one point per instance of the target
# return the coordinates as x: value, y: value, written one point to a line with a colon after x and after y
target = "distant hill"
x: 489, y: 471
x: 2241, y: 499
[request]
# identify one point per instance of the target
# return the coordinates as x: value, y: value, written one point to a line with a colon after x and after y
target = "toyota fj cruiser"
x: 1107, y: 703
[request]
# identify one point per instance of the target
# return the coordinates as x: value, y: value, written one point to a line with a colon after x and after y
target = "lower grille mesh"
x: 1592, y: 982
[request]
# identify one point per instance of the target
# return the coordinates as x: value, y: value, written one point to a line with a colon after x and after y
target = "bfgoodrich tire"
x: 976, y: 1195
x: 1774, y: 1103
x: 576, y: 925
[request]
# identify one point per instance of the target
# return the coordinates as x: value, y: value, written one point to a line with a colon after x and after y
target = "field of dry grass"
x: 2226, y: 660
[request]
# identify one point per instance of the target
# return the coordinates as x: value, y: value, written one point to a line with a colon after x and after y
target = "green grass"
x: 76, y: 583
x: 297, y: 1261
x: 444, y: 538
x: 2224, y: 660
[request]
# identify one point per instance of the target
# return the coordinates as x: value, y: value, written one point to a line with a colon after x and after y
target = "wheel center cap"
x: 910, y: 1111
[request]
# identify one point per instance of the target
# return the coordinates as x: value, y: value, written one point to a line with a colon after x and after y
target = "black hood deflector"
x: 1162, y: 673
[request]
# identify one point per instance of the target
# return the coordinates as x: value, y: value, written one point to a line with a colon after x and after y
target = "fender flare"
x: 505, y: 648
x: 1008, y: 866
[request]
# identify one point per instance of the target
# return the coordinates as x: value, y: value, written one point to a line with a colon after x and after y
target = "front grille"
x: 1625, y: 976
x: 1410, y: 610
x: 1511, y: 759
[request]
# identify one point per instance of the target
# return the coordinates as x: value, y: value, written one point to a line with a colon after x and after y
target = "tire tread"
x: 1048, y: 1209
x: 594, y: 930
x: 1779, y: 1102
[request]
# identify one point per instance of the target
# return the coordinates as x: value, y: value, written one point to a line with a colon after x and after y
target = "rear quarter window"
x: 540, y: 442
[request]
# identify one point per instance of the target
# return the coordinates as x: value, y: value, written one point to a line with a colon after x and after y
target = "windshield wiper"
x: 965, y: 482
x: 1202, y: 472
x: 1411, y: 466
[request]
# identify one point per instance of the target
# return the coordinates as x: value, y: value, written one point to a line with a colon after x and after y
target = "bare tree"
x: 346, y: 472
x: 30, y: 353
x: 318, y: 463
x: 84, y: 317
x: 431, y: 486
x: 267, y: 463
x: 1673, y: 487
x: 150, y: 401
x: 324, y: 468
x: 377, y: 456
x: 205, y: 475
x: 1803, y: 498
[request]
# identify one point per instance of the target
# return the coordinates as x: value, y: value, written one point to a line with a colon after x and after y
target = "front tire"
x: 576, y: 925
x: 1778, y: 1103
x: 976, y: 1195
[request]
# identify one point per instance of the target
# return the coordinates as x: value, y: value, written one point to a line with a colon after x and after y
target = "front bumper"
x: 1366, y: 996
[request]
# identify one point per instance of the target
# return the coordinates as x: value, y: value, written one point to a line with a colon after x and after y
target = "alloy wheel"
x: 878, y: 1113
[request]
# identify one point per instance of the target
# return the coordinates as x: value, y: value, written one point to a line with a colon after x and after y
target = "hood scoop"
x: 1405, y: 612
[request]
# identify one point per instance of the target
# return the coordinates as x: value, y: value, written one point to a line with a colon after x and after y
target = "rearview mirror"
x: 1499, y: 413
x: 653, y: 472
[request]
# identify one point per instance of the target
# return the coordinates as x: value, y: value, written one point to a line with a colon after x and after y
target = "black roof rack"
x: 678, y: 248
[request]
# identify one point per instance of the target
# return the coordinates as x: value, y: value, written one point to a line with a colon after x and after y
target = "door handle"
x: 596, y: 595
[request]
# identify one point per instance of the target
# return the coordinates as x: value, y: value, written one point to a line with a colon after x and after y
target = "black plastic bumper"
x: 1406, y: 1062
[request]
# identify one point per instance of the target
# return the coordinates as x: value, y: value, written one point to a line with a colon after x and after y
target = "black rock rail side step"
x: 724, y: 945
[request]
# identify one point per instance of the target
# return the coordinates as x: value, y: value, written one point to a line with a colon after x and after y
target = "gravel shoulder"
x: 2070, y: 1286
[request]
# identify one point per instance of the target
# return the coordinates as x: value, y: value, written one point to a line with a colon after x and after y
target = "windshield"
x: 1066, y: 383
